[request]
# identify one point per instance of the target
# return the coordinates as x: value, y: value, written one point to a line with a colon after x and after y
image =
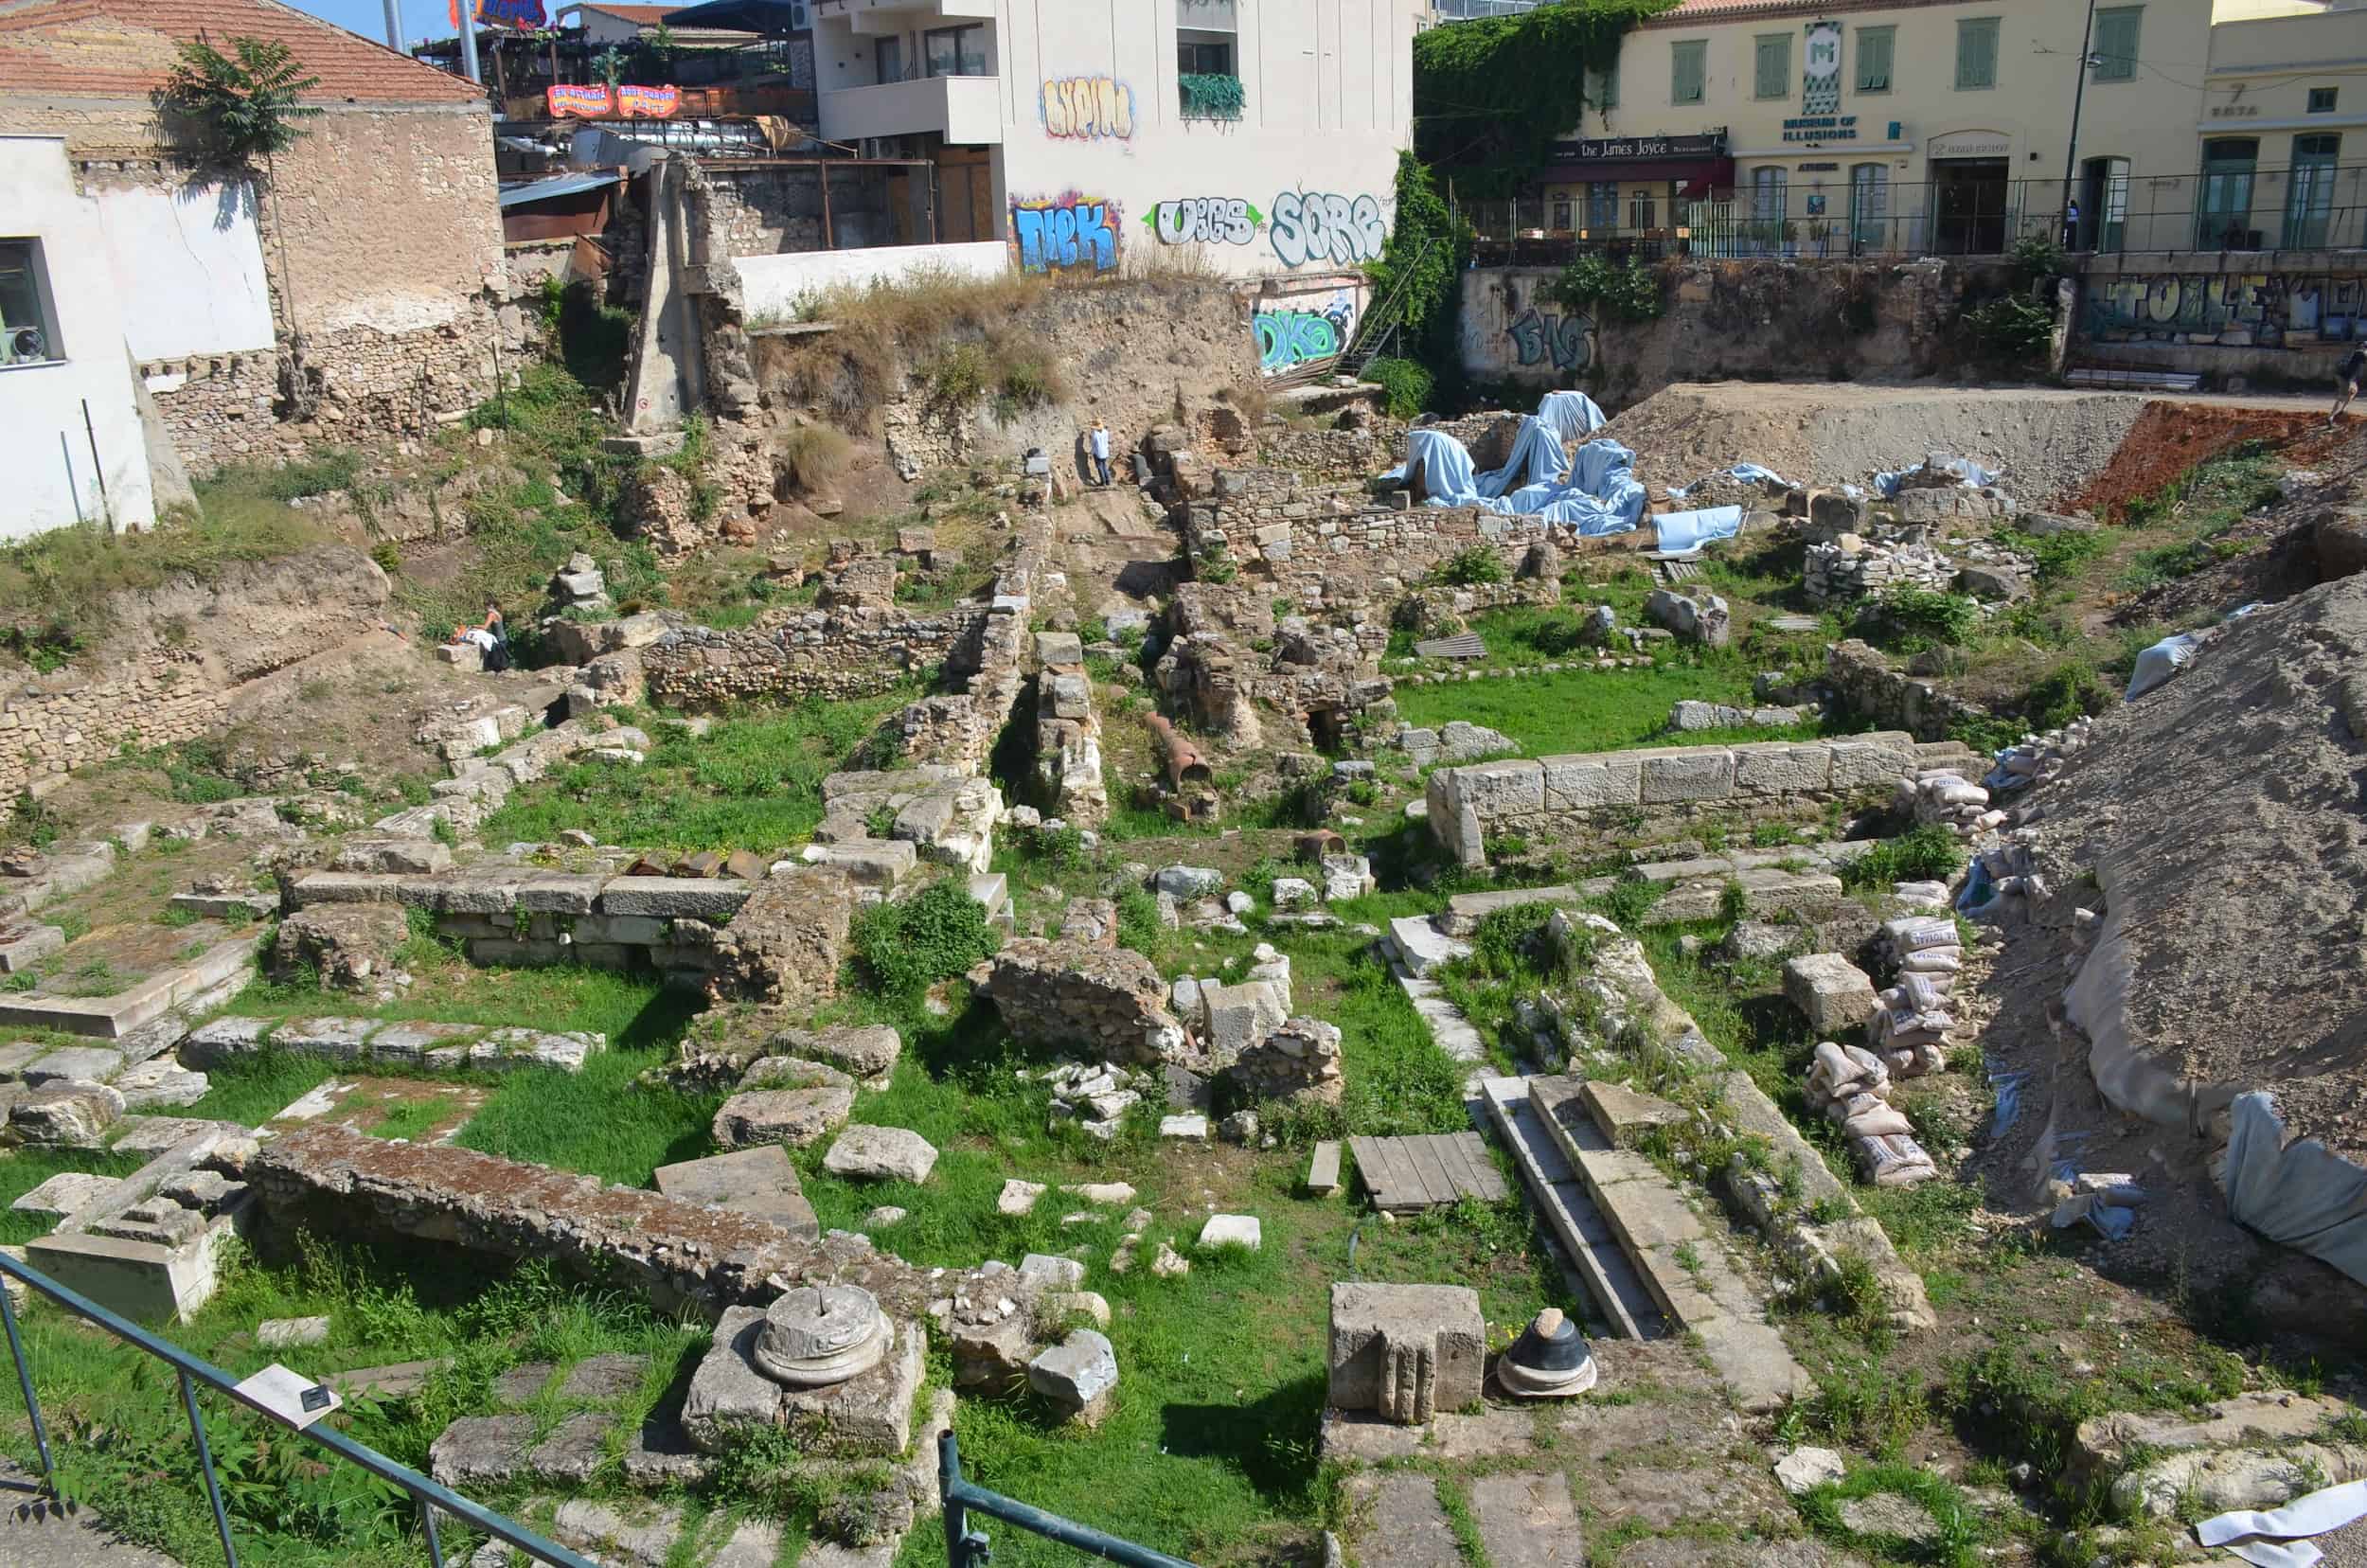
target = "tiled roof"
x: 125, y: 50
x: 647, y: 16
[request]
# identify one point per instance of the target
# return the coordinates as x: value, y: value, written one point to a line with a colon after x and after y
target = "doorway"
x: 2104, y: 204
x: 1968, y: 206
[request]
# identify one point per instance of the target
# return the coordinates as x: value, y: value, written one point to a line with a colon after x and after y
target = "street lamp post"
x: 2079, y: 95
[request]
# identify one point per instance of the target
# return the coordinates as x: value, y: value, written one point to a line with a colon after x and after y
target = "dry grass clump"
x: 811, y: 456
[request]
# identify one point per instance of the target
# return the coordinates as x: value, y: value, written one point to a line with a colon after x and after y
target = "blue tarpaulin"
x: 1571, y: 415
x: 1690, y: 531
x: 1963, y: 469
x: 1748, y: 474
x: 1597, y: 493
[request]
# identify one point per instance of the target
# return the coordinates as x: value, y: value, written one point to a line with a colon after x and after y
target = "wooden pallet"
x: 1678, y: 571
x: 1408, y: 1175
x: 1463, y: 645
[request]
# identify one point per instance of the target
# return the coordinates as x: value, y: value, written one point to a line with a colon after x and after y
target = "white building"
x: 1250, y: 136
x: 71, y: 447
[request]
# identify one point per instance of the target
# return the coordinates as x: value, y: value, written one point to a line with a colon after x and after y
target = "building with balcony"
x: 1250, y: 136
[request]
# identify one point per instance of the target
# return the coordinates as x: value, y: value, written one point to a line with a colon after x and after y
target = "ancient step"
x: 1682, y: 1261
x: 1605, y: 1276
x: 1464, y: 911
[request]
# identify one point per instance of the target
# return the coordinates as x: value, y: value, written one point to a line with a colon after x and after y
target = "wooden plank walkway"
x: 1408, y: 1175
x: 1463, y: 645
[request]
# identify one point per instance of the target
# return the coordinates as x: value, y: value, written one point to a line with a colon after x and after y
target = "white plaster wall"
x: 779, y: 285
x: 188, y: 268
x: 1329, y: 89
x: 42, y: 435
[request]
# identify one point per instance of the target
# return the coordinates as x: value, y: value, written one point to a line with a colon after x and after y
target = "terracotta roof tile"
x: 126, y: 48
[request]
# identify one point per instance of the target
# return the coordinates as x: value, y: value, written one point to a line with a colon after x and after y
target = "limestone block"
x: 1592, y: 783
x: 793, y: 1117
x: 1834, y: 993
x: 1688, y: 772
x: 881, y: 1153
x: 1406, y: 1351
x: 1496, y: 790
x: 1079, y: 1375
x: 759, y: 1183
x: 65, y: 1114
x: 1232, y: 1230
x: 1775, y: 769
x: 1871, y: 763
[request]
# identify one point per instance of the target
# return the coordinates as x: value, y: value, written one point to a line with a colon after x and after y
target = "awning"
x: 562, y: 185
x: 772, y: 18
x: 1710, y: 173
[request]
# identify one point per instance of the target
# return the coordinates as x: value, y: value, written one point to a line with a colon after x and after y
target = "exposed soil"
x: 2168, y: 438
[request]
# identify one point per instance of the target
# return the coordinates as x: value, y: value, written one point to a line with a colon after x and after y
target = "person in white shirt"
x: 1100, y: 445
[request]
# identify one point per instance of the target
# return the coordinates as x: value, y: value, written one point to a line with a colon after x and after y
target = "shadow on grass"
x: 1280, y: 1460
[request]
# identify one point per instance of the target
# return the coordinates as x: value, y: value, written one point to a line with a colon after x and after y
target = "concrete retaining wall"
x: 1589, y: 795
x: 775, y: 286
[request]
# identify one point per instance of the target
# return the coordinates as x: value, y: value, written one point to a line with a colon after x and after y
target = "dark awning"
x: 1715, y: 173
x: 772, y: 18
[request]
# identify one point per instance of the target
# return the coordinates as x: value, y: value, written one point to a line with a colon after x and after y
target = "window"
x: 2321, y: 100
x: 2309, y: 195
x: 1602, y: 204
x: 28, y: 334
x: 2114, y: 50
x: 1203, y: 58
x: 955, y: 51
x: 1642, y: 209
x: 1770, y: 194
x: 1771, y: 78
x: 1561, y: 212
x: 1869, y: 206
x: 1976, y: 54
x: 889, y: 55
x: 2223, y: 211
x: 1688, y: 68
x: 1873, y: 59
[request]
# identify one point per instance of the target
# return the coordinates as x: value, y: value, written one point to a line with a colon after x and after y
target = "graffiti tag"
x: 1088, y: 107
x: 1315, y: 226
x: 1568, y: 341
x: 1286, y: 339
x: 1058, y: 233
x: 1210, y: 220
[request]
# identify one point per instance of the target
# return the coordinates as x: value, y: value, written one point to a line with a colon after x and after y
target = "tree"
x: 241, y: 108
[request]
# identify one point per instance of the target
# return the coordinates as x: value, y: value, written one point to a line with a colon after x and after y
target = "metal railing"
x: 1467, y: 10
x: 1846, y: 213
x: 428, y: 1494
x: 966, y: 1544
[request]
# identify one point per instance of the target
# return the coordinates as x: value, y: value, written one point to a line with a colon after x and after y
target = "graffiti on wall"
x: 2271, y: 308
x: 1317, y: 226
x: 1064, y: 233
x: 1088, y: 108
x: 1304, y: 331
x: 1204, y: 219
x: 1566, y: 341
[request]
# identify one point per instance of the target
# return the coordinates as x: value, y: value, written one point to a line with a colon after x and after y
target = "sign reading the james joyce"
x: 1620, y: 148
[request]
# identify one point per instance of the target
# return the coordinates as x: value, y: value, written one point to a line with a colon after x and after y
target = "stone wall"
x: 841, y: 654
x: 1273, y: 523
x: 383, y: 242
x: 1598, y: 794
x: 764, y: 211
x: 1869, y: 688
x: 179, y: 657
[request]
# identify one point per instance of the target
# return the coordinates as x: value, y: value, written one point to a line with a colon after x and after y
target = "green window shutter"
x: 2115, y: 45
x: 1774, y: 66
x: 1687, y: 64
x: 1873, y: 59
x: 1976, y: 53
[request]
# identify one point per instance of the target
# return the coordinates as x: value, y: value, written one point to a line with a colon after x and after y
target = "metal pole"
x: 98, y: 468
x: 948, y: 1488
x: 828, y: 241
x: 2079, y: 97
x: 24, y: 1372
x: 469, y: 66
x: 393, y: 24
x: 205, y: 1463
x: 434, y: 1547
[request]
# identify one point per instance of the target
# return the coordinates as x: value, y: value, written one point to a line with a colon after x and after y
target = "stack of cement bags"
x: 1851, y: 1087
x: 1909, y: 1030
x: 2039, y: 758
x: 1950, y: 798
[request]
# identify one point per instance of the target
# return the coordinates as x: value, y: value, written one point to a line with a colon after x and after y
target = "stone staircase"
x: 1620, y: 1299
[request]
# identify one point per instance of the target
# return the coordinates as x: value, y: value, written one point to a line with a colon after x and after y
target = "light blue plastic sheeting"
x: 1571, y: 415
x: 1536, y: 459
x: 1748, y: 474
x: 2157, y: 664
x: 2302, y: 1193
x: 1446, y: 463
x: 1689, y: 530
x: 1598, y: 493
x: 1965, y: 471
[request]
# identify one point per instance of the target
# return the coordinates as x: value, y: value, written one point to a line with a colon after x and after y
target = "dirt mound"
x: 2170, y: 437
x: 2225, y: 819
x: 2046, y: 442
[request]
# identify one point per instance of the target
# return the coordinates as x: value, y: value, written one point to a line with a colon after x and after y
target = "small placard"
x: 291, y: 1395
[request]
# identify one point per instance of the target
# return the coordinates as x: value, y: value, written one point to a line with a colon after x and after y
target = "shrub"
x: 1929, y: 853
x: 2072, y: 690
x: 813, y: 454
x: 1408, y: 384
x: 1601, y: 287
x: 1922, y: 615
x: 1471, y: 566
x: 911, y: 946
x: 2009, y: 329
x: 1138, y: 921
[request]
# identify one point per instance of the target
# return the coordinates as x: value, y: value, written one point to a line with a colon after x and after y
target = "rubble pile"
x: 1851, y: 1087
x: 2037, y: 760
x: 1110, y: 1001
x: 1854, y: 567
x: 1096, y: 1097
x: 1300, y: 1060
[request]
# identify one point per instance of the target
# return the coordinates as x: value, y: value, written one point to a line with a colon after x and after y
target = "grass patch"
x: 1588, y: 710
x: 1954, y: 1542
x: 753, y: 782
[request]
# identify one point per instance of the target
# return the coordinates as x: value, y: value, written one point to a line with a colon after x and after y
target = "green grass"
x: 753, y: 782
x: 1588, y: 710
x: 23, y: 1169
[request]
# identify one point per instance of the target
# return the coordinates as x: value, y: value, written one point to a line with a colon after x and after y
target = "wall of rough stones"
x: 382, y: 240
x: 1872, y: 690
x: 1593, y: 795
x: 841, y: 653
x: 180, y: 656
x: 1273, y: 522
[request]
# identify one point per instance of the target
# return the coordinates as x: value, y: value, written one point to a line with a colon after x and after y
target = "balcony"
x: 893, y: 16
x: 966, y: 110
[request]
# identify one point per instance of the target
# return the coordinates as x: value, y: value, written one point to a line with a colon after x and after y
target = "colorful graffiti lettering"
x: 1568, y: 341
x: 1290, y: 338
x: 1314, y: 226
x: 1204, y: 219
x: 1088, y: 107
x: 1059, y: 233
x: 2268, y: 305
